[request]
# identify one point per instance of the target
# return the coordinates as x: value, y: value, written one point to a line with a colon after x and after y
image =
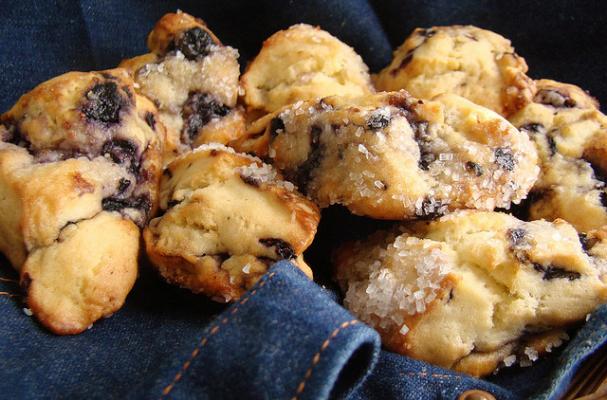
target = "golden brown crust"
x: 84, y: 276
x: 392, y: 156
x: 303, y: 63
x: 570, y: 135
x: 170, y: 27
x: 79, y: 170
x: 477, y: 64
x: 468, y: 291
x: 193, y: 80
x: 227, y: 217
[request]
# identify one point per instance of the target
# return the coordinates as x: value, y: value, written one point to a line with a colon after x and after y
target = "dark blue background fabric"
x: 288, y: 337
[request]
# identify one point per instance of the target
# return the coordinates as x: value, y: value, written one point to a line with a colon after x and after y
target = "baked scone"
x: 227, y: 218
x: 474, y: 290
x: 303, y: 63
x: 79, y: 170
x: 475, y: 63
x: 570, y: 134
x: 391, y: 156
x: 193, y: 80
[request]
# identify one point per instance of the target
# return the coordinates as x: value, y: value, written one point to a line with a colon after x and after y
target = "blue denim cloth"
x: 288, y: 337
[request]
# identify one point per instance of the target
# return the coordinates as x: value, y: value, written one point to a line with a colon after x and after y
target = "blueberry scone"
x: 303, y: 63
x: 570, y: 134
x: 226, y: 218
x: 477, y: 64
x: 193, y: 80
x: 474, y: 290
x: 391, y: 156
x: 80, y: 161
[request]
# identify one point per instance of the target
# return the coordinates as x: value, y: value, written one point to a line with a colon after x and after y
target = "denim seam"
x: 9, y: 294
x: 2, y: 279
x: 205, y: 339
x: 434, y: 375
x: 316, y: 358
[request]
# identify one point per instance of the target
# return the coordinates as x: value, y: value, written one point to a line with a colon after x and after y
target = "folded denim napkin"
x: 287, y: 337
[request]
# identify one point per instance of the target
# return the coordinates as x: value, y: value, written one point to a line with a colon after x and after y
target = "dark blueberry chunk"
x: 116, y: 204
x: 123, y: 185
x: 103, y: 103
x: 173, y: 203
x: 551, y: 144
x: 431, y: 208
x: 551, y: 272
x: 426, y: 155
x: 167, y: 172
x: 276, y: 125
x: 199, y: 110
x: 427, y: 33
x: 517, y: 237
x: 554, y: 98
x: 603, y: 198
x: 378, y: 120
x: 250, y: 180
x: 150, y: 120
x: 194, y: 43
x: 533, y: 127
x: 15, y: 137
x: 403, y: 64
x: 504, y: 158
x: 475, y: 168
x: 302, y: 176
x: 315, y: 132
x: 122, y: 151
x: 282, y: 248
x: 598, y: 172
x: 584, y: 242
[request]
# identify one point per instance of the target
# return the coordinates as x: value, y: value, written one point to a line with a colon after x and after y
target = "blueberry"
x: 517, y: 237
x: 199, y: 110
x: 378, y: 120
x: 584, y: 241
x: 475, y: 168
x: 122, y: 151
x: 276, y: 124
x: 116, y: 204
x: 103, y: 103
x: 554, y: 98
x: 533, y: 127
x: 123, y: 185
x: 551, y: 144
x: 315, y: 132
x: 426, y: 155
x: 552, y: 272
x: 150, y: 120
x: 431, y: 208
x: 194, y: 43
x: 504, y: 158
x: 282, y: 248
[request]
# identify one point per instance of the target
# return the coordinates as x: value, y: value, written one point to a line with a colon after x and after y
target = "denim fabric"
x: 288, y: 337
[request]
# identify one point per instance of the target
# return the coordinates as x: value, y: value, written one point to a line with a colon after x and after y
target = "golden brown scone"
x: 391, y: 156
x: 474, y: 290
x: 475, y: 63
x: 80, y: 161
x: 570, y: 135
x: 303, y: 63
x: 193, y: 80
x: 227, y: 217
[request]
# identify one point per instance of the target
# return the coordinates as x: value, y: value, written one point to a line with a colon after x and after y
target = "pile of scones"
x: 224, y: 174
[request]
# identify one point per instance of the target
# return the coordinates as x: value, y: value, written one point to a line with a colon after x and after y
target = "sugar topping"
x: 403, y: 280
x: 264, y: 173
